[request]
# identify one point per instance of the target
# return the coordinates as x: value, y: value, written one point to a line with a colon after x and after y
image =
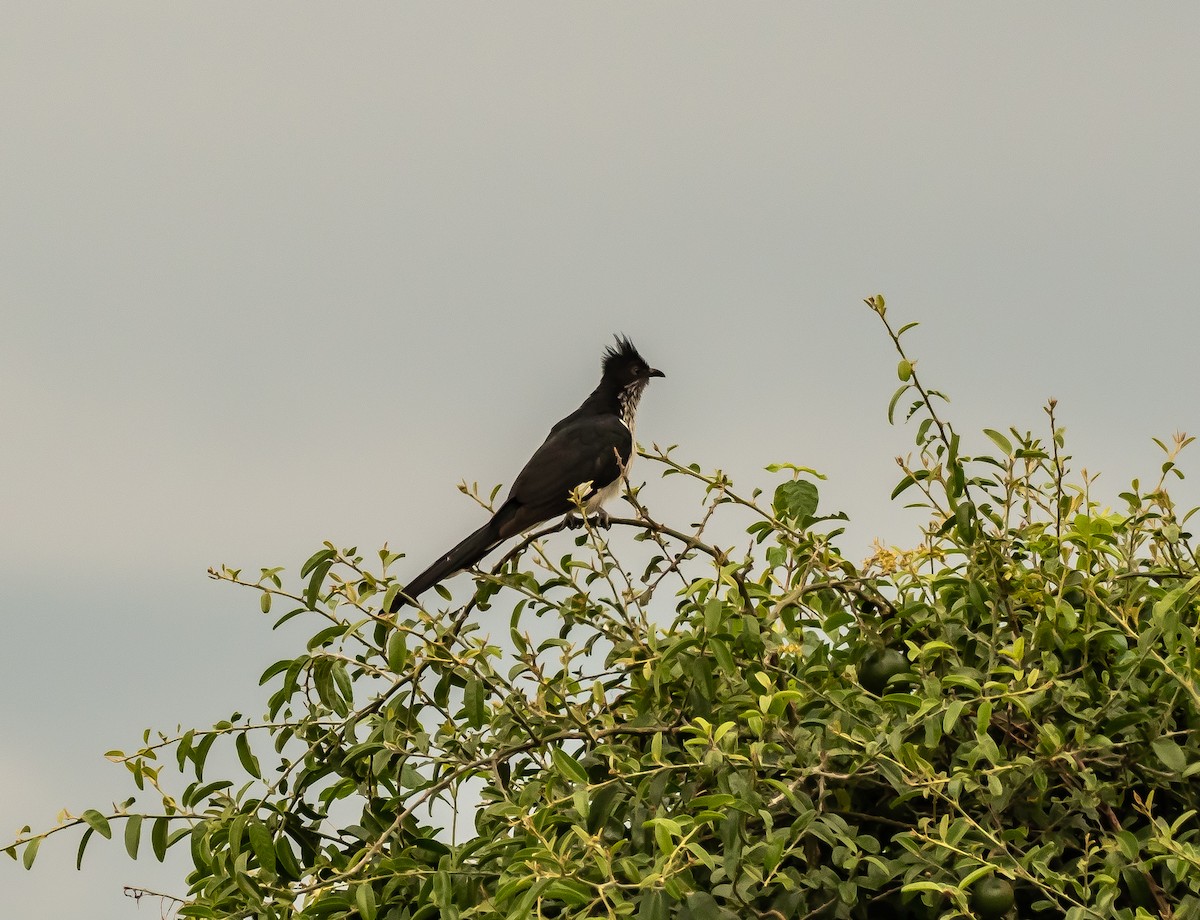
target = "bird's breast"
x: 603, y: 495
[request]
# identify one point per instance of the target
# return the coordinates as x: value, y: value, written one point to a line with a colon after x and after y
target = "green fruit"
x: 992, y: 898
x: 876, y: 671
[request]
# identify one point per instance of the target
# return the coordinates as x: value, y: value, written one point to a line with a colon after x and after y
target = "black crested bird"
x: 594, y: 444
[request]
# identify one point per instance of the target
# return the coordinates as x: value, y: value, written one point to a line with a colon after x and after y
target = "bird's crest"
x: 624, y: 357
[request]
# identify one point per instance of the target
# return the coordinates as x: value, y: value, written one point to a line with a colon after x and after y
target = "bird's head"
x: 625, y: 368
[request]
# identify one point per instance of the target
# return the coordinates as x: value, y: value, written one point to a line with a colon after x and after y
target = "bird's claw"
x: 599, y: 518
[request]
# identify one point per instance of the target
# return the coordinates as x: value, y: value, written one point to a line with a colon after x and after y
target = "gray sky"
x: 275, y: 274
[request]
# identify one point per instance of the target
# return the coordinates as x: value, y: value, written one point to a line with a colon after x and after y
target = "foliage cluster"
x: 1010, y: 709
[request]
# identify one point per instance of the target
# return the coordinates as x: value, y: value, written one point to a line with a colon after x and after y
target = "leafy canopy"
x: 1010, y: 709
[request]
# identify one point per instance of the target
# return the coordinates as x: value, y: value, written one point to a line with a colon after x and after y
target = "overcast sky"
x: 275, y: 274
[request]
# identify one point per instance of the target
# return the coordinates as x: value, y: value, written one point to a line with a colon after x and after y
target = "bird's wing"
x: 593, y: 449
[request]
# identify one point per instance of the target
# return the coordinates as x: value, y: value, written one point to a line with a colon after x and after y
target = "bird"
x: 590, y: 448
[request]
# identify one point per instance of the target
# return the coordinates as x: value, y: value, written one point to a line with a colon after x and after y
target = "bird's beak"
x: 655, y: 372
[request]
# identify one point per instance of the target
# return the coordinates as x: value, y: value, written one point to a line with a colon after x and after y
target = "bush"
x: 1011, y: 708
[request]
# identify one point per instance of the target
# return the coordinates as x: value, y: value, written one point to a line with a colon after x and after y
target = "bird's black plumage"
x: 594, y: 444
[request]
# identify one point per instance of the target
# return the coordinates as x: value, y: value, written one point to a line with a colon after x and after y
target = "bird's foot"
x: 599, y: 518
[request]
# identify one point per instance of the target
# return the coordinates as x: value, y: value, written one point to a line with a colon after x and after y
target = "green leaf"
x: 30, y: 853
x: 983, y: 718
x: 322, y: 672
x: 663, y: 836
x: 932, y: 648
x: 569, y: 891
x: 999, y: 440
x: 97, y: 822
x: 316, y: 559
x: 364, y: 897
x: 158, y: 837
x: 388, y: 597
x: 313, y: 591
x: 950, y: 719
x: 83, y: 842
x: 568, y: 766
x: 713, y: 609
x: 237, y: 830
x: 1129, y: 845
x: 924, y: 886
x: 397, y: 651
x: 133, y: 835
x: 341, y: 678
x: 923, y: 430
x: 700, y: 905
x: 246, y: 756
x: 474, y: 697
x: 773, y: 852
x: 1171, y: 754
x: 904, y: 370
x: 724, y: 657
x: 795, y: 500
x: 286, y: 859
x: 601, y: 807
x: 262, y: 844
x: 521, y: 910
x: 274, y: 669
x: 655, y: 905
x: 326, y: 636
x: 891, y: 415
x: 200, y: 752
x: 294, y: 612
x: 964, y: 519
x: 198, y: 793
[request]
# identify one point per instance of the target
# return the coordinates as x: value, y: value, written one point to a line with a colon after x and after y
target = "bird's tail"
x: 463, y: 556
